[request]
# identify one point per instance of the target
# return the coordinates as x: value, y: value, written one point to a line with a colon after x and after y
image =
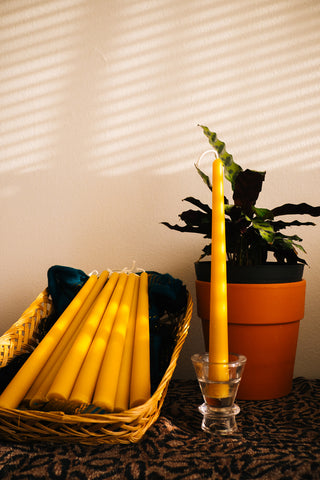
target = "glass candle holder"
x: 219, y: 384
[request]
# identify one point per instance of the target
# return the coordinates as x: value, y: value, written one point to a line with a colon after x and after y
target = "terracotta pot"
x: 263, y: 325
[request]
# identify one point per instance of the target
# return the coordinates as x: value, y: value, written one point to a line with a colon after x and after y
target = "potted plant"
x: 265, y: 298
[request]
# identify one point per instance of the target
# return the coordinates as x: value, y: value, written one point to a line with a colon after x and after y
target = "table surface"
x: 277, y: 439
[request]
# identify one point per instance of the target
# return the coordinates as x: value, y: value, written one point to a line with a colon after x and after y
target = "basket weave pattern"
x: 33, y: 425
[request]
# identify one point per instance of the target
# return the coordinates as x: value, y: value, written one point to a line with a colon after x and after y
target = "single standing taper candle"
x: 218, y: 330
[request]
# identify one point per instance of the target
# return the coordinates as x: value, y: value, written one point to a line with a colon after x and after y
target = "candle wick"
x: 133, y: 268
x: 94, y: 272
x: 212, y: 150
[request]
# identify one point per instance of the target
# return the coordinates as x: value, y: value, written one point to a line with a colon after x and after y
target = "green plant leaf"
x: 184, y: 228
x: 228, y: 209
x: 265, y: 229
x: 196, y: 218
x: 263, y: 213
x: 285, y: 252
x: 231, y: 169
x: 279, y: 225
x: 204, y: 177
x: 291, y: 237
x: 296, y: 209
x: 195, y: 221
x: 206, y: 251
x: 289, y: 241
x: 299, y: 246
x: 247, y: 187
x: 197, y: 203
x: 206, y: 180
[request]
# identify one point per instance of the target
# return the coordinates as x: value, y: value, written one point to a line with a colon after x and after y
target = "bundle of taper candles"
x: 97, y: 352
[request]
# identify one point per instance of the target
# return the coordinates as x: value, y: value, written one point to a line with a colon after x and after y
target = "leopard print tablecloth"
x: 277, y: 439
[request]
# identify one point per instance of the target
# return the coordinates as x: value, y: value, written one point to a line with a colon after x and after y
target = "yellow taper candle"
x: 106, y: 387
x: 64, y: 381
x: 218, y: 334
x: 140, y: 376
x: 39, y: 389
x: 20, y: 384
x: 86, y: 381
x: 123, y: 390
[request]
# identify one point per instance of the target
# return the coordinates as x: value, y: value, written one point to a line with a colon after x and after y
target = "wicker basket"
x: 54, y: 426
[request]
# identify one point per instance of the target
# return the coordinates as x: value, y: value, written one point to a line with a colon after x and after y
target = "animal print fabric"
x: 277, y: 439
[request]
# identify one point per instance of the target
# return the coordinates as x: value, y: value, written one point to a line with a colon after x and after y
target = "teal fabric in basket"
x: 63, y: 284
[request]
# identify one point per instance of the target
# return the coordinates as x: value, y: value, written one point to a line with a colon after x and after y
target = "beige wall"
x: 99, y: 106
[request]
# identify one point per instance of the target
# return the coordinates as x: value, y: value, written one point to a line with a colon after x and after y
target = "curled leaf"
x: 231, y: 169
